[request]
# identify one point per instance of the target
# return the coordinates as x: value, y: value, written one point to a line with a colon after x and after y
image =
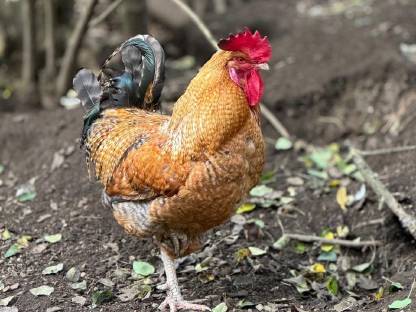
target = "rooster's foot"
x: 176, y: 304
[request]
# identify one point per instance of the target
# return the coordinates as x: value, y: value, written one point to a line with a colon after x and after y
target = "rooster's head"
x: 250, y: 52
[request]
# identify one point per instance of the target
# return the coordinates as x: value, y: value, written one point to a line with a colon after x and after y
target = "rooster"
x: 172, y: 178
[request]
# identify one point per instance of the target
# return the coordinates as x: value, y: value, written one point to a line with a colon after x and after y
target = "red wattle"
x: 251, y: 83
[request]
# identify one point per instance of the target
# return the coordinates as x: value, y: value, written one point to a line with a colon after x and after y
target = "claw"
x: 180, y: 304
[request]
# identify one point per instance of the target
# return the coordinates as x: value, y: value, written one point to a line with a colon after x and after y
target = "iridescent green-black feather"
x: 132, y: 76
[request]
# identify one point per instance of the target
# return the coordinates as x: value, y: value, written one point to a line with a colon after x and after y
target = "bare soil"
x: 335, y: 78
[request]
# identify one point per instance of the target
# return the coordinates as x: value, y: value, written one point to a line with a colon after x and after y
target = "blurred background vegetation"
x: 43, y: 42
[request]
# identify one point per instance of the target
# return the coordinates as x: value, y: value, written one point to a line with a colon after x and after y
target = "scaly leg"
x: 174, y: 298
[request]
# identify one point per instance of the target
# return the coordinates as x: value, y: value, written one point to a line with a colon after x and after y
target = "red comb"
x: 256, y: 47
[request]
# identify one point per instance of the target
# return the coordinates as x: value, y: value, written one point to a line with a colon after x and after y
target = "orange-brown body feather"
x: 193, y: 168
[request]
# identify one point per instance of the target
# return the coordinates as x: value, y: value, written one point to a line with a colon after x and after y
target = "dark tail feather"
x: 132, y: 76
x: 88, y: 89
x: 89, y: 92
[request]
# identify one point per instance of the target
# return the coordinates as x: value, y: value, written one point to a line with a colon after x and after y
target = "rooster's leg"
x: 174, y: 298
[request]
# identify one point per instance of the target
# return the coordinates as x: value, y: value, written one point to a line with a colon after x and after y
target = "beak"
x: 263, y: 66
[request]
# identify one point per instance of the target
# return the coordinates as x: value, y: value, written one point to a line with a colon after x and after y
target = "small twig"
x: 407, y: 221
x: 411, y: 289
x: 341, y: 242
x: 282, y: 228
x: 198, y: 22
x: 271, y: 118
x: 371, y: 222
x: 389, y: 150
x: 73, y: 48
x: 100, y: 18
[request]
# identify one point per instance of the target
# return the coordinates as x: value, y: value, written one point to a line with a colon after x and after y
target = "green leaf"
x: 241, y: 254
x: 395, y: 286
x: 73, y: 275
x: 332, y: 285
x: 43, y: 290
x: 79, y: 286
x: 268, y: 176
x: 13, y: 250
x: 1, y: 168
x: 361, y: 267
x: 351, y: 279
x: 299, y: 282
x: 260, y: 190
x: 5, y: 301
x: 300, y: 248
x: 281, y: 242
x: 330, y: 256
x: 400, y: 304
x: 53, y: 269
x: 349, y: 169
x: 318, y: 174
x: 258, y: 222
x: 100, y: 297
x: 322, y: 157
x: 24, y: 240
x: 200, y: 267
x: 283, y: 144
x: 6, y: 235
x: 245, y: 304
x: 143, y: 268
x: 222, y: 307
x: 257, y: 251
x: 284, y: 200
x: 53, y: 238
x: 247, y: 207
x: 26, y: 197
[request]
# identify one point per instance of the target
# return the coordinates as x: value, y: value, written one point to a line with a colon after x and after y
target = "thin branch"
x: 29, y: 79
x: 73, y: 48
x: 340, y: 242
x: 391, y: 150
x: 100, y: 18
x: 198, y: 22
x: 270, y: 117
x: 407, y: 221
x: 411, y: 289
x: 369, y: 223
x: 49, y: 24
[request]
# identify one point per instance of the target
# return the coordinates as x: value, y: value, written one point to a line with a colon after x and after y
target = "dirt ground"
x: 338, y: 76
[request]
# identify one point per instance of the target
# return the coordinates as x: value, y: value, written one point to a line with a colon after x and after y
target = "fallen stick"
x: 340, y: 242
x: 391, y: 150
x: 271, y: 118
x: 407, y: 221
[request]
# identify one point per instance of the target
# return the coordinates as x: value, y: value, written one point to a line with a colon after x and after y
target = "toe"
x: 163, y: 287
x: 185, y: 305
